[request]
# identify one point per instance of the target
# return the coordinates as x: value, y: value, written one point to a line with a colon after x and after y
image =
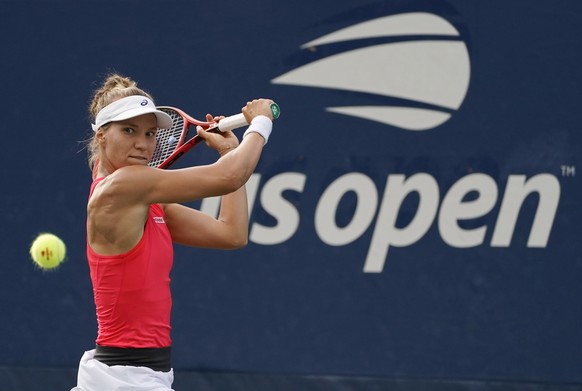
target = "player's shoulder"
x: 122, y: 181
x: 131, y: 177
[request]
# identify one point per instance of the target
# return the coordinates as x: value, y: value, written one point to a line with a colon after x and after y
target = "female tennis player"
x: 135, y: 214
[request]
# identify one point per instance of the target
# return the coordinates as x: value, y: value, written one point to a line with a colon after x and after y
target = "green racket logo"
x: 275, y: 110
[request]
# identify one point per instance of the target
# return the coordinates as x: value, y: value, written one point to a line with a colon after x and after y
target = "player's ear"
x: 100, y: 136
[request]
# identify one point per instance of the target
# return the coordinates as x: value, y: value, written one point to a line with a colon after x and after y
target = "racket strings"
x: 167, y: 140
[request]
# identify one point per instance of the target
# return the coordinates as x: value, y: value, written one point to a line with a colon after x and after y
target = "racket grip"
x: 232, y: 122
x: 239, y: 120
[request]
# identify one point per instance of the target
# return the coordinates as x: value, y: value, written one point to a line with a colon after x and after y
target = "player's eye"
x: 128, y: 130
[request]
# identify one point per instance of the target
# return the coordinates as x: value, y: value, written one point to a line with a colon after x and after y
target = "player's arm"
x: 230, y: 229
x: 191, y: 227
x: 145, y: 185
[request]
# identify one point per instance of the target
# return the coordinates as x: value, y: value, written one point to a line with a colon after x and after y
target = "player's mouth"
x: 139, y: 158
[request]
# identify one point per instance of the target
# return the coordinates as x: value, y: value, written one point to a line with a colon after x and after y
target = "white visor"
x: 130, y: 107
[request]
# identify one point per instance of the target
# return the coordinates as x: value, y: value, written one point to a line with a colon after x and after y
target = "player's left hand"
x: 221, y: 142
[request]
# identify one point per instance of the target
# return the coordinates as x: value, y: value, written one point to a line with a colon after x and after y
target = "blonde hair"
x: 114, y: 87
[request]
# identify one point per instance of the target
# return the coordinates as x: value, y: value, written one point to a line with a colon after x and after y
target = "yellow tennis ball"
x: 48, y: 251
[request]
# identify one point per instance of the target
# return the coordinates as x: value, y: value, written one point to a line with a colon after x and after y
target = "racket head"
x: 168, y: 141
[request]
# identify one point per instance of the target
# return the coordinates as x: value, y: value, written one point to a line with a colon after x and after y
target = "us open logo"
x: 424, y: 67
x: 414, y: 69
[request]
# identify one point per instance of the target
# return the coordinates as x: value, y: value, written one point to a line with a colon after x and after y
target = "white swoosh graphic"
x: 414, y: 23
x: 434, y: 72
x: 408, y: 118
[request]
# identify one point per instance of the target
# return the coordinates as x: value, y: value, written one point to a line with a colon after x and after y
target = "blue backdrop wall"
x: 415, y: 214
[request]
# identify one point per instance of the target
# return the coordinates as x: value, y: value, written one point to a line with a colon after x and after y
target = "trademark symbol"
x: 568, y: 171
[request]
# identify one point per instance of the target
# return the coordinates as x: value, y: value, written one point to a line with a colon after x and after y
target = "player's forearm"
x: 242, y: 161
x: 234, y: 215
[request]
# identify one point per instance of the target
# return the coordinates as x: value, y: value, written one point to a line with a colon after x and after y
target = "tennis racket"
x: 174, y: 142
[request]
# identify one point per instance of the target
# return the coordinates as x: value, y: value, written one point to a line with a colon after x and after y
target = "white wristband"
x: 262, y: 125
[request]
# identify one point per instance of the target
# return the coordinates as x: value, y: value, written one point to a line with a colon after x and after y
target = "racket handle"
x: 239, y: 120
x: 232, y: 122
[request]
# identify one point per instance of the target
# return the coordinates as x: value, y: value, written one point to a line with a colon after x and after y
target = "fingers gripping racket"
x: 174, y: 142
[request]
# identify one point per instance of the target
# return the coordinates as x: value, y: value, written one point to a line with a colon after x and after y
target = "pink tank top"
x: 132, y: 290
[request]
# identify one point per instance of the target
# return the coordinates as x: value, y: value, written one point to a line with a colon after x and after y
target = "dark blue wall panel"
x: 415, y: 213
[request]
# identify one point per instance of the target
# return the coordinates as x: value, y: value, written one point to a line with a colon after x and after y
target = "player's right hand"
x: 258, y: 107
